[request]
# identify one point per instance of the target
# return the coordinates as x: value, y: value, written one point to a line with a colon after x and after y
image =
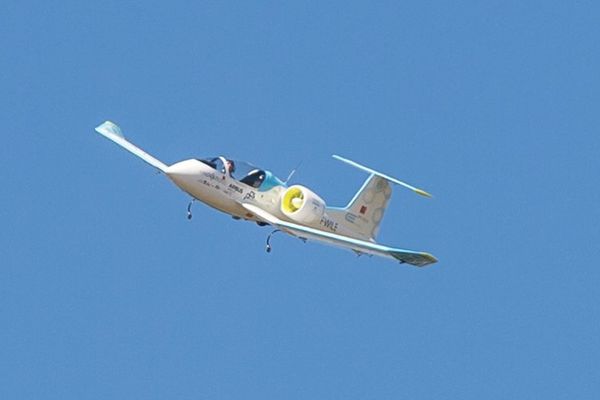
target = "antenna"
x: 293, y: 172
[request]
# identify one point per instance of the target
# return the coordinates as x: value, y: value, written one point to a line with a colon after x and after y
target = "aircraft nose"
x: 184, y: 168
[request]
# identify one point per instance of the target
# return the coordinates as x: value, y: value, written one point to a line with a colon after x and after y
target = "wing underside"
x: 418, y: 259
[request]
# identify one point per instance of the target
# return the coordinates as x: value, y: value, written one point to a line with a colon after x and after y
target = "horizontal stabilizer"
x: 112, y: 131
x: 384, y: 176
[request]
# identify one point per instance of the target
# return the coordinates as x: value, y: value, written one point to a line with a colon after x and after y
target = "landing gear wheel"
x: 269, y: 248
x: 189, y: 209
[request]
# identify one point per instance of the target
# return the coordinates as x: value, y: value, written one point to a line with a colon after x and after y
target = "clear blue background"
x: 108, y: 291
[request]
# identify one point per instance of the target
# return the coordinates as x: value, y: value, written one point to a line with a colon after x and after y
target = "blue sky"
x: 108, y: 291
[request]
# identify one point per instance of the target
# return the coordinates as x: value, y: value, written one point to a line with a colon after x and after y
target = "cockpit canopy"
x: 244, y: 172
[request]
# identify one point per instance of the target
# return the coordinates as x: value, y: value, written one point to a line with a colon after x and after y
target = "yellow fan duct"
x: 293, y: 200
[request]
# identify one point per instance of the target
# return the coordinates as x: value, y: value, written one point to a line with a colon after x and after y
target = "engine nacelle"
x: 302, y: 205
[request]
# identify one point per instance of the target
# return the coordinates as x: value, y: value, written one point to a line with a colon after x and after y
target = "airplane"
x: 253, y: 194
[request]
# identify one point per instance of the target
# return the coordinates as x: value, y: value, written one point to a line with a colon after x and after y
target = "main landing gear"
x: 269, y: 248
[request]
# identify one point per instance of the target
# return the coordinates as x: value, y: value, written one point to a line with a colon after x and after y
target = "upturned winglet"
x: 112, y: 131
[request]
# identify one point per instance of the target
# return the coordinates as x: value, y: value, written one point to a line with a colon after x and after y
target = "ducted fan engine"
x: 302, y: 205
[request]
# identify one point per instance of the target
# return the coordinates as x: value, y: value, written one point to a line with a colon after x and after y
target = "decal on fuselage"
x: 211, y: 175
x: 250, y: 195
x: 329, y: 224
x: 350, y: 217
x: 236, y: 188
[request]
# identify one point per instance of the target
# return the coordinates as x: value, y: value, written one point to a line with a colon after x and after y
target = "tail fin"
x: 363, y: 215
x: 112, y: 131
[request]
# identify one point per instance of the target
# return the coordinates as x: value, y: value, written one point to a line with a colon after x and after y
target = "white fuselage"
x: 224, y: 193
x: 219, y: 190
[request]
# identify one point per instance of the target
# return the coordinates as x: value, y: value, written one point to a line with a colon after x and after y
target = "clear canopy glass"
x: 244, y: 172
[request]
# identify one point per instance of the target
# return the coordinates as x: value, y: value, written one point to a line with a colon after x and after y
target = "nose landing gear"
x: 189, y: 209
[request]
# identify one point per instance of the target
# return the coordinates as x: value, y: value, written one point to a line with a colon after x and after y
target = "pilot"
x: 230, y: 167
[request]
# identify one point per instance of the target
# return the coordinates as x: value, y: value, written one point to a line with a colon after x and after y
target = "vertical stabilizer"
x: 362, y: 216
x: 365, y: 211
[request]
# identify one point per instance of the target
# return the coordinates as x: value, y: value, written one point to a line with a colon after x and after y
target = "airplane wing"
x: 418, y: 259
x: 112, y: 131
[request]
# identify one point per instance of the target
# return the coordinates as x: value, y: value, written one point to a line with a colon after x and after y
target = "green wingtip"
x: 423, y: 193
x: 432, y: 258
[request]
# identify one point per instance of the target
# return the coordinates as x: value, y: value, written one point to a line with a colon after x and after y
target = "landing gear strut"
x: 269, y: 248
x: 189, y: 209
